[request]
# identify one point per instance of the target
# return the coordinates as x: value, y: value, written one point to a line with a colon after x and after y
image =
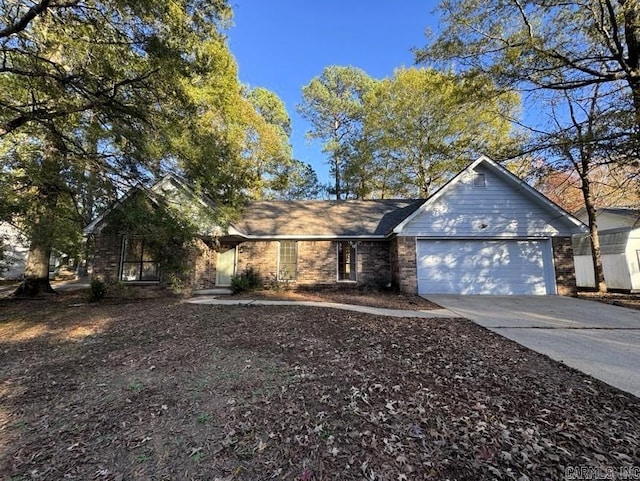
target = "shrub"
x: 97, y: 290
x: 249, y: 280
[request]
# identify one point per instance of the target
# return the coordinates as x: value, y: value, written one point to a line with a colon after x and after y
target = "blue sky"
x: 282, y: 44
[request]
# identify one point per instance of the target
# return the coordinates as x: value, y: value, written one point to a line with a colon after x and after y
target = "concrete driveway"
x: 595, y: 338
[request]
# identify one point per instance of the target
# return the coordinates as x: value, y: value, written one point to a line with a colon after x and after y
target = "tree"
x: 296, y: 181
x: 581, y: 142
x: 333, y: 104
x: 586, y: 53
x: 611, y: 186
x: 422, y: 126
x: 271, y: 151
x: 555, y: 45
x: 99, y: 94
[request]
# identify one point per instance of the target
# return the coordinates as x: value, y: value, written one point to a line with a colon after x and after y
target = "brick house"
x: 485, y: 232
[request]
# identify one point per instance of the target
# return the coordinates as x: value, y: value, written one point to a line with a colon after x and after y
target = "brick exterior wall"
x: 404, y: 274
x: 105, y: 264
x: 564, y: 266
x: 317, y: 262
x: 203, y: 273
x: 259, y: 255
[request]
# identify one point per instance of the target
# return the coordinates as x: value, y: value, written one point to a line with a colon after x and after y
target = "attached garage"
x: 480, y: 266
x: 487, y: 232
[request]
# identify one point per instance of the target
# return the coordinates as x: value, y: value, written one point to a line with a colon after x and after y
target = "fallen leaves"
x: 242, y: 393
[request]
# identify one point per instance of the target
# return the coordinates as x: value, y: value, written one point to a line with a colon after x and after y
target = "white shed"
x: 620, y: 250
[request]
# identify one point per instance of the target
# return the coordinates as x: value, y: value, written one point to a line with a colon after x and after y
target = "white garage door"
x: 497, y: 267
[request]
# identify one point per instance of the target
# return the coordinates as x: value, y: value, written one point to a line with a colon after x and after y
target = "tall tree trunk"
x: 36, y: 274
x: 631, y: 14
x: 336, y: 166
x: 594, y: 238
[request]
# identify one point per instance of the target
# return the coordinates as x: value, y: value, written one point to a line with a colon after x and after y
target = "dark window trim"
x: 353, y: 247
x: 479, y: 180
x: 139, y: 262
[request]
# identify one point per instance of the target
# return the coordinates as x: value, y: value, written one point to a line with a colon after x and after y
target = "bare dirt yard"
x: 161, y: 390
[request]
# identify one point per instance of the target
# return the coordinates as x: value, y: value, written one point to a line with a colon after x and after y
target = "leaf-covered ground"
x: 162, y: 390
x: 357, y: 296
x: 630, y: 301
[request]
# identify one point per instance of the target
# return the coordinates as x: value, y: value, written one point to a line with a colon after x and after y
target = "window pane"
x: 132, y: 249
x: 130, y: 271
x: 149, y: 271
x: 288, y: 260
x: 138, y: 263
x: 347, y: 270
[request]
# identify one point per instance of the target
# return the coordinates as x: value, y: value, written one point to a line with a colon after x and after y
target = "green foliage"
x: 247, y: 281
x: 167, y: 231
x: 96, y: 96
x: 204, y: 418
x: 97, y: 290
x: 296, y: 181
x: 549, y: 49
x: 406, y: 135
x: 423, y: 126
x: 554, y: 44
x: 333, y: 103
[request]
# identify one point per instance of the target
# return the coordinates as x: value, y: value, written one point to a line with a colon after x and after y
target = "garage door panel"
x: 499, y: 267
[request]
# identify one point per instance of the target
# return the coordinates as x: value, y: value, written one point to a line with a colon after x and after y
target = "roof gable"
x: 506, y: 207
x: 197, y: 208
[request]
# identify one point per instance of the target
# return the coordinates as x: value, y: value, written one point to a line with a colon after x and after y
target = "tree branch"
x: 21, y: 24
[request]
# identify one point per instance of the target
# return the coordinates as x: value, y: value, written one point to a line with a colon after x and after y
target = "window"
x: 138, y: 263
x: 288, y: 261
x: 347, y: 261
x: 479, y: 181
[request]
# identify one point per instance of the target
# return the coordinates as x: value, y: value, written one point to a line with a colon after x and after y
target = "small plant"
x: 248, y: 281
x: 97, y: 290
x: 196, y: 455
x: 136, y: 385
x: 204, y: 418
x: 143, y: 458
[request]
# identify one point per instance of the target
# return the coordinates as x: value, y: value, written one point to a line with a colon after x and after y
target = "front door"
x: 225, y: 267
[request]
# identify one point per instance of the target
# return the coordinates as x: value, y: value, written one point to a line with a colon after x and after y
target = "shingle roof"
x: 623, y: 211
x: 349, y: 218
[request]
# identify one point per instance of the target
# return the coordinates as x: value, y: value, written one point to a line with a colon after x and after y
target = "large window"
x: 288, y: 261
x: 347, y: 256
x: 138, y: 263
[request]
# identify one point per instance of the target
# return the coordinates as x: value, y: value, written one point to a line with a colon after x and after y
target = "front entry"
x: 225, y: 267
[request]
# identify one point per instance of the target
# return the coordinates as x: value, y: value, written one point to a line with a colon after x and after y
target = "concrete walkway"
x: 436, y: 313
x: 596, y: 338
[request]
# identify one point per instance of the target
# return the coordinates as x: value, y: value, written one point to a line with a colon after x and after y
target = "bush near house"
x: 247, y: 281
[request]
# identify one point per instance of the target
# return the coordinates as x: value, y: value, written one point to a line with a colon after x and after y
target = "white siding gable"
x: 499, y: 209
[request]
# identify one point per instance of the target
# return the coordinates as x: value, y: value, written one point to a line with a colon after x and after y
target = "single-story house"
x: 484, y: 232
x: 619, y: 234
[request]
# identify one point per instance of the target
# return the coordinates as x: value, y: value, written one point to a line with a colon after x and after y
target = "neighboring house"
x: 15, y: 246
x: 612, y: 217
x: 485, y: 232
x: 619, y: 234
